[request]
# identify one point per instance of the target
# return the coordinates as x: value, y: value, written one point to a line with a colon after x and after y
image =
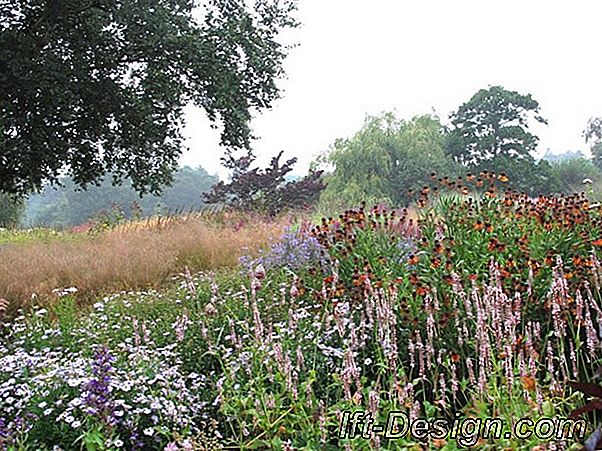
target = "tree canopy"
x: 494, y: 122
x: 93, y: 87
x: 383, y: 160
x: 490, y: 132
x: 266, y: 190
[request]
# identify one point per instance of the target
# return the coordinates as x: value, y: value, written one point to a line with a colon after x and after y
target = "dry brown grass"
x: 134, y: 256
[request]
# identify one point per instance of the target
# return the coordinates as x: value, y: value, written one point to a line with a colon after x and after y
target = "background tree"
x: 494, y: 122
x: 98, y: 86
x: 11, y: 210
x: 491, y: 132
x: 572, y: 172
x: 383, y: 160
x: 265, y: 190
x: 593, y: 135
x: 420, y: 152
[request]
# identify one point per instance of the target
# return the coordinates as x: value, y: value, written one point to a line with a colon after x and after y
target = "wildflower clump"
x: 473, y: 302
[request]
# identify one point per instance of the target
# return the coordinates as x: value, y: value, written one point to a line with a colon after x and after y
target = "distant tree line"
x: 67, y: 206
x: 384, y: 161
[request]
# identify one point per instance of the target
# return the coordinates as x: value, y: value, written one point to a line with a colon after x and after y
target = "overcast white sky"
x: 415, y: 57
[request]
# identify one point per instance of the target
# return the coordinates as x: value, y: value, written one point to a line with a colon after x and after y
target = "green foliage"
x: 494, y: 122
x: 525, y: 175
x: 574, y: 171
x: 69, y: 206
x: 11, y: 210
x: 597, y: 154
x: 19, y: 236
x: 440, y: 317
x: 383, y: 160
x: 490, y: 132
x: 593, y: 130
x: 98, y: 86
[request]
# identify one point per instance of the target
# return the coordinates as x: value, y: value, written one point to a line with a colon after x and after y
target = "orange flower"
x: 502, y: 177
x: 421, y: 291
x: 597, y: 242
x: 478, y: 225
x: 413, y: 259
x: 533, y: 264
x: 455, y: 357
x: 528, y: 383
x: 414, y: 278
x: 439, y: 442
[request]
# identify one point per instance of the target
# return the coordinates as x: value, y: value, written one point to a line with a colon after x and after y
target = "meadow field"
x: 232, y: 332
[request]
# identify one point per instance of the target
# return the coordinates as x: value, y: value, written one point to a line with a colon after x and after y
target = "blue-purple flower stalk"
x: 98, y: 400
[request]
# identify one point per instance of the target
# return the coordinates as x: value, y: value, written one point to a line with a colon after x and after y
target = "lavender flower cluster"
x: 294, y: 250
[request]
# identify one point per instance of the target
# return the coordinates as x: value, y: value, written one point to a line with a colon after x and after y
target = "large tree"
x: 384, y: 160
x: 490, y: 132
x: 91, y: 87
x: 493, y: 123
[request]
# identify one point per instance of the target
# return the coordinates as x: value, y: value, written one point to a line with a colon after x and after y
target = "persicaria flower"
x: 260, y: 272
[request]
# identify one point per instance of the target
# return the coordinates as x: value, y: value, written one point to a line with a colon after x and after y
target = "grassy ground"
x: 134, y: 255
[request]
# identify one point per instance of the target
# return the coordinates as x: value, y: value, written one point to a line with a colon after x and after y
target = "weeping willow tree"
x: 385, y: 159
